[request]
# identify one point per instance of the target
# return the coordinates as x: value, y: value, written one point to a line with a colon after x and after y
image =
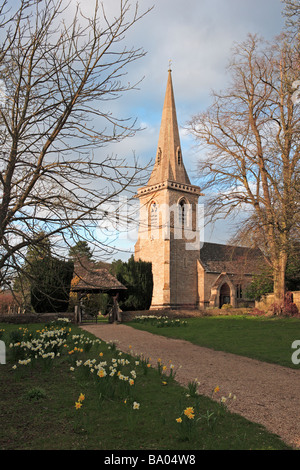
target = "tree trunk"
x: 279, y: 278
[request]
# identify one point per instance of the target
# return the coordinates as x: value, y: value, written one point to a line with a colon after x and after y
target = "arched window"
x: 159, y: 156
x: 154, y: 215
x: 179, y: 159
x: 182, y: 214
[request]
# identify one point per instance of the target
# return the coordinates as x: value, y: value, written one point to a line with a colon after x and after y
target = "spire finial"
x: 170, y: 63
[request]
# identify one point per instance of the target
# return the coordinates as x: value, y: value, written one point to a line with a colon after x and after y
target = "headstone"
x: 2, y: 353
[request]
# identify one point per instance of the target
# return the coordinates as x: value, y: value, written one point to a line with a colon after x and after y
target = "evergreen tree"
x: 50, y: 289
x: 80, y: 250
x: 137, y: 277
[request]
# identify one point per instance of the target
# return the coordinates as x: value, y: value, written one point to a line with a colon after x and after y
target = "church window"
x: 181, y: 213
x: 239, y: 291
x: 159, y: 156
x: 154, y: 215
x: 179, y: 160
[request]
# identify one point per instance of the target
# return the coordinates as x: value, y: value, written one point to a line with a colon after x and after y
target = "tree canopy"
x: 60, y: 68
x: 251, y: 159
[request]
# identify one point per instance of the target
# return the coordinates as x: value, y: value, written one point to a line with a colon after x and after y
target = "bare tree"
x: 60, y: 71
x: 291, y: 12
x: 251, y: 134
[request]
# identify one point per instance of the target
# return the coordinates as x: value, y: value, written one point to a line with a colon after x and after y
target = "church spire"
x: 168, y: 164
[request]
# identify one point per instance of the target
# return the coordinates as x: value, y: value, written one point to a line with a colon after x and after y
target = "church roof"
x: 169, y: 164
x: 217, y: 258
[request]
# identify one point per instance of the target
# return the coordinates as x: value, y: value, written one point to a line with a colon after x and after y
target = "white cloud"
x: 197, y: 35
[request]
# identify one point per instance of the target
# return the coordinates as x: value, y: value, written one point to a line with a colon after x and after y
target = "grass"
x: 38, y: 404
x: 265, y: 339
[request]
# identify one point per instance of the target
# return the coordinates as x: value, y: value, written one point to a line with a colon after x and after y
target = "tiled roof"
x: 89, y: 277
x: 218, y: 258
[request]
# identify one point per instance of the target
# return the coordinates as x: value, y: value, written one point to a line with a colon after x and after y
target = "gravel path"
x: 266, y: 393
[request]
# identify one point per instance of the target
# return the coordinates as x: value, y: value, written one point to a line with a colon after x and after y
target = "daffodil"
x: 189, y: 412
x: 101, y: 373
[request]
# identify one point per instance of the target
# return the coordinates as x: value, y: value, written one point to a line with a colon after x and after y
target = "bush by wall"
x: 50, y: 289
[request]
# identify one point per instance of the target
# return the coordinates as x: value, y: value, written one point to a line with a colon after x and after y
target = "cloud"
x: 197, y: 35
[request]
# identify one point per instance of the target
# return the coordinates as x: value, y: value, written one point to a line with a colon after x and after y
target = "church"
x: 187, y: 273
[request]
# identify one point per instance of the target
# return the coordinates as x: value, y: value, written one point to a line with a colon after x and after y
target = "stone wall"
x: 268, y: 300
x: 24, y: 319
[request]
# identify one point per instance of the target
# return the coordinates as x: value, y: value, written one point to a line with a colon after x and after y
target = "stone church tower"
x: 168, y: 230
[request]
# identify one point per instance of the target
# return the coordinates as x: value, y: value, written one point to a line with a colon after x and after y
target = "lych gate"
x: 89, y: 279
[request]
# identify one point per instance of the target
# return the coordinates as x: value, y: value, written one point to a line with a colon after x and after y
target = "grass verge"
x: 39, y: 411
x: 265, y: 339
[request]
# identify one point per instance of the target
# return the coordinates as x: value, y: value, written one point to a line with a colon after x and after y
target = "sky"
x: 197, y: 37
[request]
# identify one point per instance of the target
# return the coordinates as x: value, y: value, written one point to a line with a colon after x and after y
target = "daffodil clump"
x: 224, y: 401
x: 83, y: 342
x: 45, y: 345
x: 113, y: 377
x: 78, y: 403
x: 187, y: 423
x: 160, y: 320
x: 191, y: 417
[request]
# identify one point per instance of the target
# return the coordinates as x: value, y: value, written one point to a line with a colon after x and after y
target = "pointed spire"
x: 169, y: 164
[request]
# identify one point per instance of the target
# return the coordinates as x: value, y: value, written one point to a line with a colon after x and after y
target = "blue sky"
x: 197, y: 36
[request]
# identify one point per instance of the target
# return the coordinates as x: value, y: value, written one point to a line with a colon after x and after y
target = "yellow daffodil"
x: 101, y: 373
x: 78, y: 405
x: 179, y: 420
x: 189, y: 412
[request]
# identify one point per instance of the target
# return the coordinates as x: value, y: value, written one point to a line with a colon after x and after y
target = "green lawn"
x: 38, y: 411
x: 266, y: 339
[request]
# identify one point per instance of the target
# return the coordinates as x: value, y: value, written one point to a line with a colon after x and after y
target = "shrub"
x: 287, y: 309
x: 256, y: 311
x: 50, y: 289
x: 226, y: 306
x: 137, y: 277
x: 35, y: 394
